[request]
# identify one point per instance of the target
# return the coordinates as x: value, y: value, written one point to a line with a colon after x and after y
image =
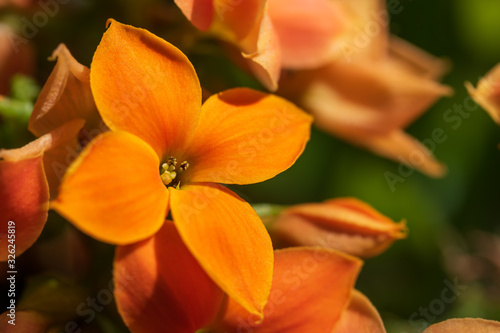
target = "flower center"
x: 169, y: 174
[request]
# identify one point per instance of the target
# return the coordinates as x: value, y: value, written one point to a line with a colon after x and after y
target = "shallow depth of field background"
x: 444, y: 216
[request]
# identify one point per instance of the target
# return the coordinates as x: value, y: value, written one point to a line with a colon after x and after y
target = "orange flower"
x: 165, y: 152
x: 346, y: 224
x: 487, y: 93
x: 310, y: 289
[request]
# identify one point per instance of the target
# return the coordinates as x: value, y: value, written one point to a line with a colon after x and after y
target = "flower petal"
x: 228, y: 239
x: 487, y: 93
x: 401, y: 147
x: 465, y: 325
x: 65, y: 96
x: 345, y: 224
x: 360, y: 317
x: 311, y: 288
x: 265, y: 62
x: 113, y: 191
x: 245, y: 136
x: 145, y: 86
x: 239, y: 19
x: 199, y: 12
x: 306, y: 30
x: 158, y: 283
x: 24, y: 199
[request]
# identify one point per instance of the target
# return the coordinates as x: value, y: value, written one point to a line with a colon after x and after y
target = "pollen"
x: 168, y: 172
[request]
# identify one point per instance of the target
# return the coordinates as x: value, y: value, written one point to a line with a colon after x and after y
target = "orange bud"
x: 345, y: 224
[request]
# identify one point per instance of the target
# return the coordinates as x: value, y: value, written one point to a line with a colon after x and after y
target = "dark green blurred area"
x: 442, y: 214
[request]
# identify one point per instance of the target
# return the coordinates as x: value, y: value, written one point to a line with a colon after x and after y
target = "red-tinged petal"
x: 311, y: 288
x: 113, y: 190
x: 24, y: 199
x: 59, y: 149
x: 228, y: 239
x: 246, y: 137
x: 307, y: 30
x: 239, y: 18
x: 199, y: 12
x: 145, y: 86
x: 405, y: 149
x: 360, y: 317
x: 158, y: 283
x: 65, y: 96
x: 465, y: 325
x: 487, y: 93
x: 265, y: 62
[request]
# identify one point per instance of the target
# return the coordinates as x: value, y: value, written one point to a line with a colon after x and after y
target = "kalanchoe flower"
x: 465, y: 325
x: 347, y: 224
x: 160, y: 284
x: 166, y: 153
x: 487, y: 93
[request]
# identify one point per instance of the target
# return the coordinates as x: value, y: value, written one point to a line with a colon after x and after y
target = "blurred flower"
x: 370, y: 94
x: 487, y: 93
x: 465, y: 325
x: 165, y: 152
x: 311, y: 287
x: 346, y: 224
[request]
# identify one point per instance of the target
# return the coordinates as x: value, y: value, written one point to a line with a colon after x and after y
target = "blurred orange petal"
x: 311, y: 288
x: 158, y: 283
x: 487, y: 93
x: 360, y: 317
x: 346, y: 224
x: 228, y: 239
x: 145, y: 86
x: 25, y: 321
x: 306, y: 30
x: 199, y: 12
x: 465, y: 325
x: 113, y: 190
x: 246, y: 137
x: 400, y: 146
x: 65, y: 96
